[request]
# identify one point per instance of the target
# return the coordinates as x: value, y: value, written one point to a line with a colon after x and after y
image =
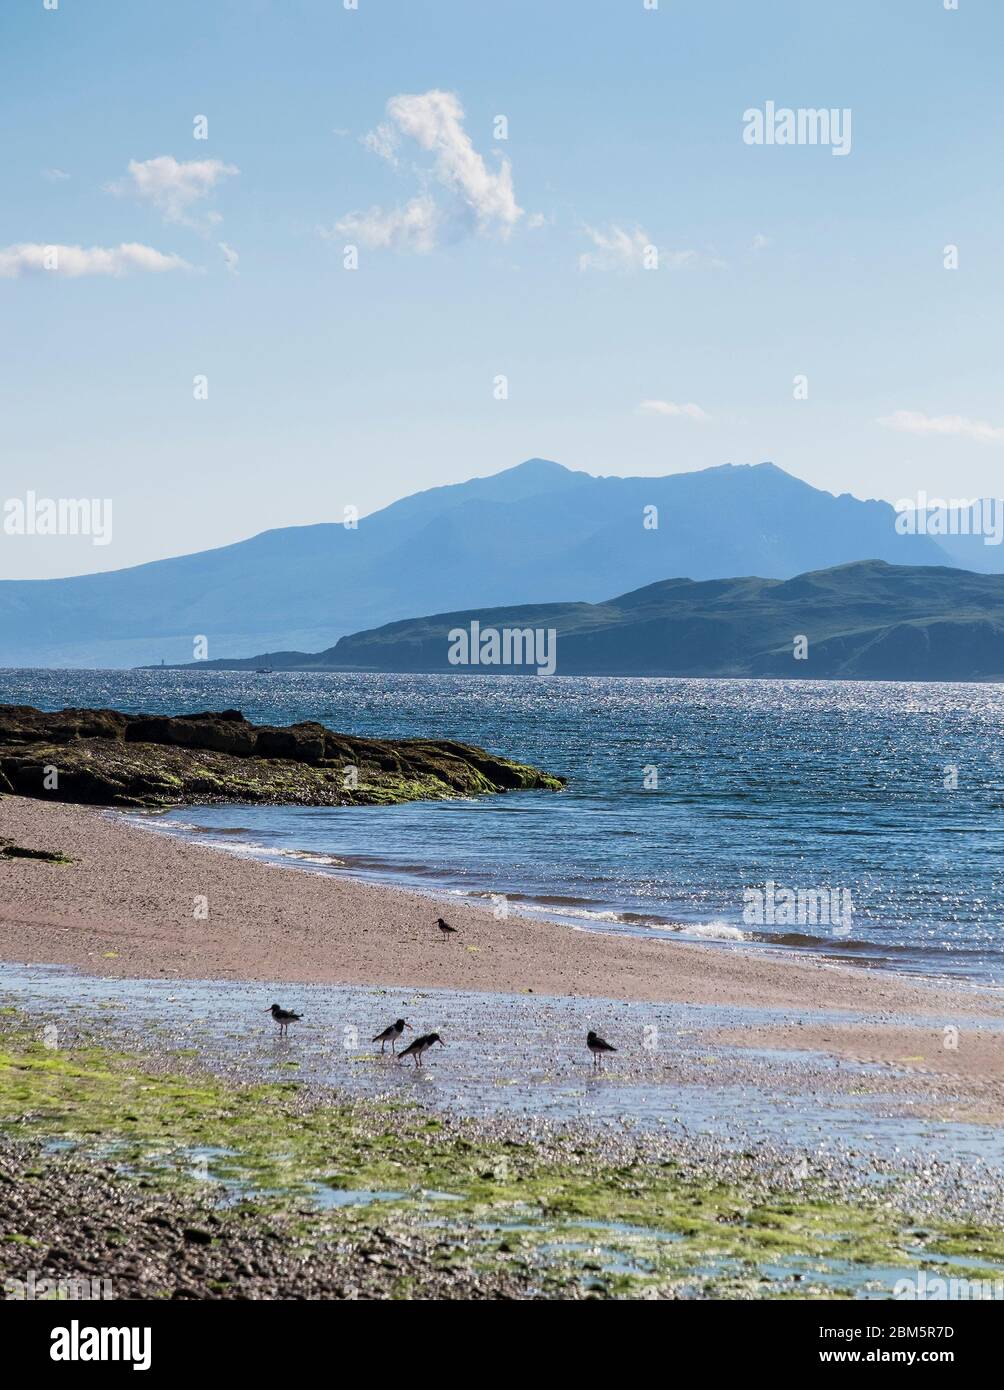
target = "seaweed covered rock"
x: 107, y: 758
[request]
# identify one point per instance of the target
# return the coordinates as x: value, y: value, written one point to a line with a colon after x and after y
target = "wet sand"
x: 718, y: 1070
x: 133, y: 901
x: 957, y: 1054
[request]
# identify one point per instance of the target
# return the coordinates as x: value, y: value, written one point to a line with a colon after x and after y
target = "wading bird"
x: 597, y: 1046
x: 391, y: 1034
x: 419, y: 1046
x: 284, y: 1017
x: 445, y: 928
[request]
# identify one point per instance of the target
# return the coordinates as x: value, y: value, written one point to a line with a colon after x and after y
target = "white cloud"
x: 173, y: 187
x: 72, y: 261
x: 230, y: 256
x: 382, y: 141
x: 479, y: 198
x: 55, y: 175
x: 617, y: 249
x: 959, y: 426
x: 760, y: 242
x: 690, y: 410
x: 413, y: 227
x: 435, y: 121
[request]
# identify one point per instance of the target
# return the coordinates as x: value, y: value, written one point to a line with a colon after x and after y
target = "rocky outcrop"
x: 107, y: 758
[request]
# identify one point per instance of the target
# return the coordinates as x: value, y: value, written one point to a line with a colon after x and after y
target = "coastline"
x: 554, y: 1180
x: 442, y: 883
x: 126, y: 907
x: 436, y: 885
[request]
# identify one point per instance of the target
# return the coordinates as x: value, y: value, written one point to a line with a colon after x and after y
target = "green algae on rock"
x: 106, y: 758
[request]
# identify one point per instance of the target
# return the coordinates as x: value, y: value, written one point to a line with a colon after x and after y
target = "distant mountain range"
x: 537, y: 529
x: 865, y: 621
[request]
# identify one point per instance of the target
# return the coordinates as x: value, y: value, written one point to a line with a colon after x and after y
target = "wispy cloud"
x: 230, y: 256
x: 690, y: 410
x: 72, y: 261
x: 414, y: 227
x: 384, y: 141
x: 958, y: 426
x: 174, y: 188
x: 478, y: 198
x: 618, y: 249
x: 55, y: 175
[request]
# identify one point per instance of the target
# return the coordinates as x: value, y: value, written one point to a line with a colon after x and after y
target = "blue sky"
x: 329, y: 387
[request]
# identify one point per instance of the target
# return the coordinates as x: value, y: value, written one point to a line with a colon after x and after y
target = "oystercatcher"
x: 419, y: 1046
x: 597, y: 1046
x: 391, y: 1034
x: 284, y: 1017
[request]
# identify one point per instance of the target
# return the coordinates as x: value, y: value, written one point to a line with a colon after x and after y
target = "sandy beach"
x: 126, y: 906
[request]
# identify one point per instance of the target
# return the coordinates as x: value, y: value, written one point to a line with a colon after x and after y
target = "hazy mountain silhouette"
x: 534, y: 530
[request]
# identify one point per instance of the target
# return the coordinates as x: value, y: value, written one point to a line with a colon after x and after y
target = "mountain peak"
x: 535, y: 471
x: 523, y: 480
x: 543, y: 467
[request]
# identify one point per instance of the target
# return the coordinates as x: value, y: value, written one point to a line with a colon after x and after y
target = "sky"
x: 658, y: 292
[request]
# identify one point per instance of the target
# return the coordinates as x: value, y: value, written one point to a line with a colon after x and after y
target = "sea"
x: 861, y: 821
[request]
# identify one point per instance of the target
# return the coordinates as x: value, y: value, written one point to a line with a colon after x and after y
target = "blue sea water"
x: 890, y: 793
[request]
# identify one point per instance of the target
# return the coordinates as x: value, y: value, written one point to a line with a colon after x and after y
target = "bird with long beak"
x: 597, y: 1046
x: 391, y: 1034
x: 445, y: 928
x: 419, y: 1046
x: 284, y: 1017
